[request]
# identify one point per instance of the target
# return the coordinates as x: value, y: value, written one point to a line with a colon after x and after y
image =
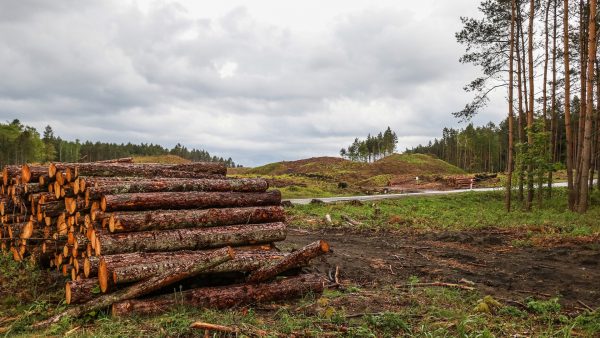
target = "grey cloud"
x: 110, y: 72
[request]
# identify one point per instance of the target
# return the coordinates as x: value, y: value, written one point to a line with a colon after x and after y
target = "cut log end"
x: 68, y: 292
x: 103, y: 276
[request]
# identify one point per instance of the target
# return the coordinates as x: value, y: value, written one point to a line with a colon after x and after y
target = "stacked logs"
x: 120, y: 230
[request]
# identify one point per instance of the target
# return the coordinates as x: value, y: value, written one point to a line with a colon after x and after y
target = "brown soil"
x: 486, y: 257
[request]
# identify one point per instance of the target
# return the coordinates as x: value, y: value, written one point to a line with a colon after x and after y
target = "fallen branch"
x: 585, y: 305
x: 441, y: 284
x: 351, y: 221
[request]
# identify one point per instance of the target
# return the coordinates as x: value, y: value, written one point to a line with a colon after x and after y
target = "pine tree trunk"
x: 223, y: 297
x: 175, y: 185
x: 82, y: 291
x: 131, y: 221
x: 568, y: 129
x: 587, y: 136
x: 296, y: 258
x: 187, y: 200
x: 509, y: 166
x: 189, y: 239
x: 135, y: 270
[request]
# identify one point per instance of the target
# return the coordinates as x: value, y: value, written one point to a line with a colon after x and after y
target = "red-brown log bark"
x: 188, y: 200
x: 189, y: 239
x: 295, y: 259
x: 142, y: 288
x: 129, y: 221
x: 140, y: 269
x: 191, y: 170
x: 175, y: 185
x: 223, y: 297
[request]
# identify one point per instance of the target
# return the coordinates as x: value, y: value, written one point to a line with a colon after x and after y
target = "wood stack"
x: 120, y: 230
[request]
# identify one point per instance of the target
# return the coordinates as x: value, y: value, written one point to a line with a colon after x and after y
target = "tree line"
x: 372, y: 148
x: 23, y: 144
x: 543, y: 53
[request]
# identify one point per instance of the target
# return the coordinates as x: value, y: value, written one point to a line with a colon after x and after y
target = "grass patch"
x: 468, y: 210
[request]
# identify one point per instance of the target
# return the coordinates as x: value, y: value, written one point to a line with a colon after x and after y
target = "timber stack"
x: 119, y: 230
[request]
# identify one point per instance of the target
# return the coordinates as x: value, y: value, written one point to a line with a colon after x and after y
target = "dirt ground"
x: 486, y: 257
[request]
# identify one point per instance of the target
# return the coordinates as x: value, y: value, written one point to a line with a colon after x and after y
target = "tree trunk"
x: 530, y: 189
x: 189, y: 239
x: 296, y: 258
x: 176, y: 185
x: 136, y: 270
x: 32, y: 173
x: 223, y: 297
x: 188, y: 200
x: 568, y: 129
x: 587, y: 138
x: 522, y: 85
x: 131, y: 221
x: 193, y: 268
x: 554, y: 118
x: 82, y: 291
x: 189, y: 170
x: 10, y: 171
x: 509, y: 165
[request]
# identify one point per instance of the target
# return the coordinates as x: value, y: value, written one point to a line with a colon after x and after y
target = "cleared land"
x: 532, y: 274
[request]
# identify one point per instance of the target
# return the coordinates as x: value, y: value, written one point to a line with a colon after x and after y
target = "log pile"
x: 119, y: 230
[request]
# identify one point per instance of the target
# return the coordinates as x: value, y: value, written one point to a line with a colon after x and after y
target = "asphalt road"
x: 396, y: 196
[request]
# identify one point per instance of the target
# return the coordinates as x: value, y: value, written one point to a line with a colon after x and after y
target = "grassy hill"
x: 319, y: 176
x: 342, y: 169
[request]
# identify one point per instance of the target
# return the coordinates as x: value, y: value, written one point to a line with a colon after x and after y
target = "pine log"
x: 32, y: 173
x: 10, y: 171
x: 188, y: 200
x: 223, y: 297
x: 176, y: 185
x: 138, y: 270
x: 117, y: 160
x: 82, y: 291
x: 130, y: 221
x: 296, y: 258
x: 191, y: 170
x: 191, y: 269
x: 189, y: 239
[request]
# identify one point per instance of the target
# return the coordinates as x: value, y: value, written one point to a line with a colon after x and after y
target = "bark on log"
x: 176, y: 185
x: 191, y: 170
x: 90, y: 266
x: 130, y: 221
x: 32, y: 173
x: 191, y: 269
x: 296, y: 258
x: 188, y: 200
x: 117, y: 160
x: 10, y: 171
x: 189, y: 239
x: 223, y: 297
x: 138, y: 270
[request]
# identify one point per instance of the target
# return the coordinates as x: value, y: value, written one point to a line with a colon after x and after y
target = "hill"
x: 321, y: 176
x: 345, y: 170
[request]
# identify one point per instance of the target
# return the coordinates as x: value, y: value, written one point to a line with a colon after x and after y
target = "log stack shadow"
x: 126, y: 235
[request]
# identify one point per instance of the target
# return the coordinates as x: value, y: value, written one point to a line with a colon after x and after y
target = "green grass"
x: 384, y: 312
x: 469, y: 210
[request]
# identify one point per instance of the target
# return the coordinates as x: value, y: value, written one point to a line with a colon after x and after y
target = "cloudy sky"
x: 260, y: 80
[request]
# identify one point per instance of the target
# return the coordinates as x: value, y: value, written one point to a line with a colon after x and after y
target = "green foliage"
x: 372, y: 148
x: 474, y: 149
x: 23, y: 144
x: 543, y: 306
